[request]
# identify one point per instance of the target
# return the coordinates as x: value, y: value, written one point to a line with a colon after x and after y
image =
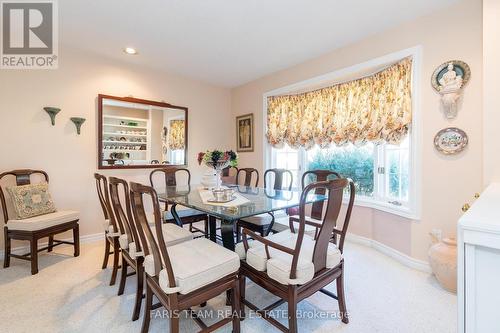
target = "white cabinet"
x: 479, y: 265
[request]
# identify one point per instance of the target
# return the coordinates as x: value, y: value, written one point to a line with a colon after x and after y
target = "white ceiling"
x: 228, y: 42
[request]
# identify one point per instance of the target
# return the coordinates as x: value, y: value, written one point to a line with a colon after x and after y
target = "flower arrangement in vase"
x: 218, y: 160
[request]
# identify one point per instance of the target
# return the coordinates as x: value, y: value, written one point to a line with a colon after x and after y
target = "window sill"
x: 402, y: 211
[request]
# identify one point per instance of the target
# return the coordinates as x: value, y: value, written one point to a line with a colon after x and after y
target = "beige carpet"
x: 72, y: 295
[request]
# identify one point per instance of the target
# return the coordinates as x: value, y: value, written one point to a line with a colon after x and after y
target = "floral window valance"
x: 176, y: 140
x: 376, y: 108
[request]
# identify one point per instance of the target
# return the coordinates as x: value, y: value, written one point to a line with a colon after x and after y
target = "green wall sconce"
x: 52, y: 113
x: 78, y: 123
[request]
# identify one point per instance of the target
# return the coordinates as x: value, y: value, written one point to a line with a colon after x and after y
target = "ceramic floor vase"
x: 443, y: 261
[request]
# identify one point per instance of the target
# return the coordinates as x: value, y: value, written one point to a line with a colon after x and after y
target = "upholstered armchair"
x: 293, y: 265
x: 30, y: 215
x: 129, y: 240
x: 186, y: 274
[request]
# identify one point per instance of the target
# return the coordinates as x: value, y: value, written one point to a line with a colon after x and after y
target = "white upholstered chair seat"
x: 261, y: 219
x: 265, y: 219
x: 309, y: 229
x: 279, y: 265
x: 43, y: 221
x: 172, y: 234
x: 195, y: 263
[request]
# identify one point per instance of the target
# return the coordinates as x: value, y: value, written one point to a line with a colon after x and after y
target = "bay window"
x: 361, y: 128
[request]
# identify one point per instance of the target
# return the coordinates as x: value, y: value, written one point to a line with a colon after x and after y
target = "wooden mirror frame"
x: 100, y: 99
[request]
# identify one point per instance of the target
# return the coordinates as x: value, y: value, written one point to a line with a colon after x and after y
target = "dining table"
x: 248, y: 201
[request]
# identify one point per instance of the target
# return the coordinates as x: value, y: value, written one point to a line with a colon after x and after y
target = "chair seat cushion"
x: 261, y: 219
x: 195, y: 264
x: 183, y: 213
x: 309, y: 229
x: 256, y: 254
x: 43, y: 221
x: 278, y: 267
x: 172, y: 234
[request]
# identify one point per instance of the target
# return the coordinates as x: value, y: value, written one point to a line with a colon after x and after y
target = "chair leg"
x: 292, y: 309
x: 341, y: 298
x: 76, y: 240
x: 147, y: 310
x: 138, y: 292
x: 6, y: 262
x: 206, y: 228
x: 174, y: 321
x: 235, y: 306
x: 116, y: 261
x: 242, y: 282
x: 123, y: 277
x: 106, y: 253
x: 34, y: 255
x: 51, y: 243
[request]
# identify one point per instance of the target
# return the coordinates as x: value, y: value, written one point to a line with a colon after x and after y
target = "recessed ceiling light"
x: 130, y: 50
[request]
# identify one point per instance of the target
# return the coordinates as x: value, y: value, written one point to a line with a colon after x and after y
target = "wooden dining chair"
x: 229, y: 175
x: 263, y: 223
x: 186, y: 215
x: 36, y: 227
x: 131, y: 250
x: 314, y: 213
x: 248, y: 174
x: 130, y: 244
x: 186, y: 274
x: 293, y: 265
x: 111, y: 229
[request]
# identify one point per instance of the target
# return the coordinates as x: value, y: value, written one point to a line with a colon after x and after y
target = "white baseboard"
x: 83, y: 239
x: 394, y: 254
x: 402, y: 258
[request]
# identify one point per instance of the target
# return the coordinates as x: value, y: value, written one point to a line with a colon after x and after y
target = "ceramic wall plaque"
x: 448, y: 80
x: 451, y: 140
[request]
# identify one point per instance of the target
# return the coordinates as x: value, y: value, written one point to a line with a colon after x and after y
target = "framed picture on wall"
x: 244, y: 133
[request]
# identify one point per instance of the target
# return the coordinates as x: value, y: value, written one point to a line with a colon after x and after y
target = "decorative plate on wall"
x: 451, y: 140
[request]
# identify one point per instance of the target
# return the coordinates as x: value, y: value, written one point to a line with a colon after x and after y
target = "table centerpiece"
x: 218, y: 160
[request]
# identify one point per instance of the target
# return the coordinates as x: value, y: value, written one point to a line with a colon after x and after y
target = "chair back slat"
x: 23, y: 177
x: 118, y: 188
x: 335, y: 191
x: 157, y: 248
x: 278, y: 178
x: 249, y: 172
x: 103, y: 195
x: 319, y: 176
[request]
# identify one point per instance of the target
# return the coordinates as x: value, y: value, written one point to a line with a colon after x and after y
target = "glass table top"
x: 260, y: 200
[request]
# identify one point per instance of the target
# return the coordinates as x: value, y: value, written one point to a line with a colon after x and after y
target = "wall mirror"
x: 137, y: 133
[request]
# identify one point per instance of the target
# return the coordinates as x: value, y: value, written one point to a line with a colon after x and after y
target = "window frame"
x: 412, y: 209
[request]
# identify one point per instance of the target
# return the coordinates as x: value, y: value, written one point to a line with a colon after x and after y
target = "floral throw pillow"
x: 31, y: 200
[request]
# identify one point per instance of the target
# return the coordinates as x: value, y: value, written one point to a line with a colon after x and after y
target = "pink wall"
x: 447, y: 182
x: 29, y: 141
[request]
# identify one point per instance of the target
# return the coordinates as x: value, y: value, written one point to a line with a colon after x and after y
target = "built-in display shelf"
x: 112, y: 126
x: 126, y: 150
x: 126, y: 126
x: 124, y: 142
x: 124, y: 134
